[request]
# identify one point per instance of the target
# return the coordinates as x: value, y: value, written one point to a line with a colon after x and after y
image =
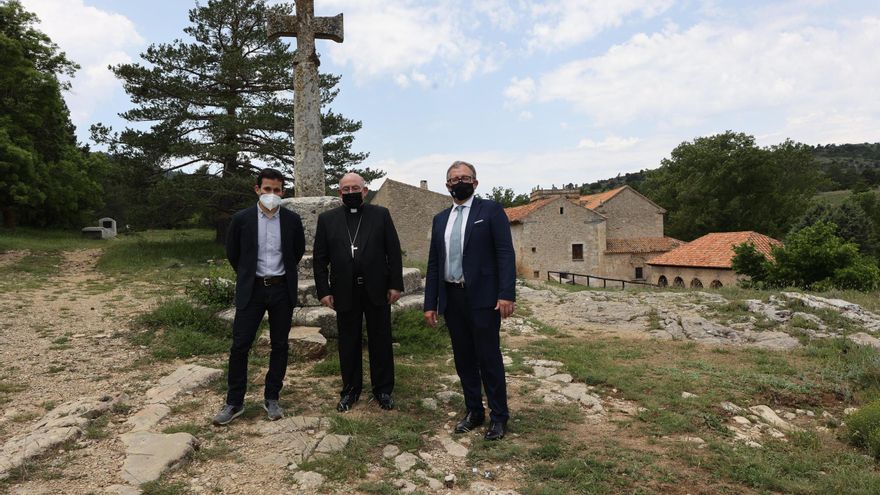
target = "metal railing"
x: 571, y: 279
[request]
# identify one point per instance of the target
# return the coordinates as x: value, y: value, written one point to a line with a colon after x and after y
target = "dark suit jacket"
x: 241, y: 251
x: 488, y: 259
x: 378, y: 252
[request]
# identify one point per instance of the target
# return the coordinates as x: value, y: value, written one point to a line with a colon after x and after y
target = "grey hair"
x: 459, y: 163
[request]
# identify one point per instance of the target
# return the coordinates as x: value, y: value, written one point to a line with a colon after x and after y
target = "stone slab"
x: 317, y: 316
x: 330, y: 444
x: 304, y: 341
x: 148, y: 417
x: 148, y: 455
x: 184, y: 379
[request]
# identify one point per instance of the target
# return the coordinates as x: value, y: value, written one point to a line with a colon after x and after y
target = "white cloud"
x: 565, y: 23
x: 520, y: 90
x: 386, y: 39
x: 94, y: 39
x: 525, y: 116
x: 611, y: 143
x: 804, y: 76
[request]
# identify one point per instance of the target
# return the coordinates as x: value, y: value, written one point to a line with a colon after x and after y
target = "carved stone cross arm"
x: 322, y: 28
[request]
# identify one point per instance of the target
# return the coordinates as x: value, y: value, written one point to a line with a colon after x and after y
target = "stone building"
x: 705, y: 262
x: 412, y: 209
x: 610, y: 234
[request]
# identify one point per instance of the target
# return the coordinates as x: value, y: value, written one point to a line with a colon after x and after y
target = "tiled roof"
x: 713, y: 250
x: 642, y: 245
x: 391, y: 183
x: 593, y: 201
x: 518, y: 213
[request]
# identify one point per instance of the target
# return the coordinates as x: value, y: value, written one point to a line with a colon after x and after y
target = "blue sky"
x: 540, y: 92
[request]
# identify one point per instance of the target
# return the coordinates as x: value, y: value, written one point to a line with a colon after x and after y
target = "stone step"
x: 307, y: 295
x: 325, y: 318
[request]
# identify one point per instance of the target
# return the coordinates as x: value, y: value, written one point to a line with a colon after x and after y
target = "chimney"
x: 424, y: 185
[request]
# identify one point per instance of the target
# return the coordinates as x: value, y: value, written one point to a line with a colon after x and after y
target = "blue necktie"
x: 455, y: 246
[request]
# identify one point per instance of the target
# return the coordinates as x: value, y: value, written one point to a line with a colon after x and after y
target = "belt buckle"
x: 359, y: 280
x: 266, y: 282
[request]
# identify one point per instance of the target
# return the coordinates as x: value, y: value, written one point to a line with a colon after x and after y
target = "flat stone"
x: 544, y: 362
x: 274, y: 460
x: 148, y: 417
x: 561, y: 378
x: 453, y: 448
x: 298, y: 446
x: 790, y: 416
x: 543, y: 372
x: 404, y: 486
x: 774, y: 341
x: 554, y: 398
x: 292, y: 424
x: 429, y: 404
x: 307, y: 342
x: 148, y: 455
x: 742, y: 420
x: 865, y: 339
x: 770, y: 418
x: 390, y: 451
x: 482, y: 488
x: 308, y: 480
x: 410, y: 301
x: 688, y: 395
x: 184, y: 379
x: 732, y: 408
x: 412, y: 281
x: 405, y: 461
x: 317, y: 316
x: 330, y: 444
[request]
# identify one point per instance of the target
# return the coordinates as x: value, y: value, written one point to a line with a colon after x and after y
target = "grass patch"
x: 162, y: 487
x: 193, y: 429
x: 416, y: 338
x: 177, y: 329
x: 97, y: 429
x: 167, y: 254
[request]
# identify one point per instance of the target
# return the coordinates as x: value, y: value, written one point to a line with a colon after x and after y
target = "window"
x: 534, y: 250
x: 678, y: 282
x: 577, y: 252
x: 662, y: 281
x: 561, y: 209
x: 537, y: 274
x: 696, y: 284
x: 639, y: 273
x: 716, y: 284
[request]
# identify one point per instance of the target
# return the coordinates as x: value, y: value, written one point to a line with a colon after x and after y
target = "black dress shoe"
x: 347, y: 402
x: 495, y: 431
x: 470, y: 421
x: 385, y: 401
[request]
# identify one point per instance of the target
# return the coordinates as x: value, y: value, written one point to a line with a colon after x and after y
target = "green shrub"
x: 863, y: 428
x: 212, y: 291
x: 177, y: 329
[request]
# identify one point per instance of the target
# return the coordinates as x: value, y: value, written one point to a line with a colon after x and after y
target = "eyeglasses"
x: 467, y: 179
x: 351, y: 189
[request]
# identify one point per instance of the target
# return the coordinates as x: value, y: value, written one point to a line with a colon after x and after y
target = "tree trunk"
x: 10, y: 220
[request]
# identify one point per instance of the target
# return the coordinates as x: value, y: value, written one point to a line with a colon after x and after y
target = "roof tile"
x: 713, y: 250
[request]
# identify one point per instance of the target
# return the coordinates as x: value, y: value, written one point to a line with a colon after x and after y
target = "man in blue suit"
x: 471, y: 280
x: 264, y: 245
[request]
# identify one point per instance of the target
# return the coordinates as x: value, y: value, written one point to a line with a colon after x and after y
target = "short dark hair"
x: 459, y: 163
x: 269, y: 173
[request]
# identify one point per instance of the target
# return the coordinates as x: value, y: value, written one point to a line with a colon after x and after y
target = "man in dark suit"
x: 264, y: 246
x: 359, y: 245
x: 471, y: 280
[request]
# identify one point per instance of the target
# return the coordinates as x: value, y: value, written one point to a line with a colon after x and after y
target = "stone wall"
x: 630, y: 214
x: 623, y: 265
x: 412, y: 209
x: 705, y: 276
x: 543, y: 241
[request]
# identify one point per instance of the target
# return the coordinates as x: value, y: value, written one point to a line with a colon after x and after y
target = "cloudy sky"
x: 542, y: 92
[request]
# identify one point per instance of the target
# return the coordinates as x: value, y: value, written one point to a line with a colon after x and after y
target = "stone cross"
x: 308, y: 172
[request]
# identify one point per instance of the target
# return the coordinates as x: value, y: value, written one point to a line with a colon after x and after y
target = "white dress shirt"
x: 448, y: 233
x: 269, y: 261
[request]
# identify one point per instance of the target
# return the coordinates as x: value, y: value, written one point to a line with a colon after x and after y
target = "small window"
x: 639, y: 273
x: 537, y: 274
x: 716, y: 284
x: 534, y: 250
x: 662, y: 281
x: 561, y: 209
x: 696, y: 284
x: 577, y: 252
x: 678, y: 282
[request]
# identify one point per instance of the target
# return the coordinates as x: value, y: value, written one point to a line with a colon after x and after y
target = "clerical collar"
x: 353, y: 210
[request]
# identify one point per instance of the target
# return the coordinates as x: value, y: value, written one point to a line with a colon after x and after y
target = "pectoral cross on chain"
x: 353, y: 249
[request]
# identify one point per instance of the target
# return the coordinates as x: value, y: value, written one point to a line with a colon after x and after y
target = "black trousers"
x: 351, y: 344
x: 276, y: 300
x: 476, y: 346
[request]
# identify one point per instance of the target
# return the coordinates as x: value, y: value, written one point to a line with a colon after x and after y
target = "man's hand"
x: 393, y: 295
x: 327, y: 301
x: 505, y: 307
x: 431, y: 318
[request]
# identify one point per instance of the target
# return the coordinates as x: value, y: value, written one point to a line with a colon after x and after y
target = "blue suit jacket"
x: 241, y: 251
x: 488, y: 259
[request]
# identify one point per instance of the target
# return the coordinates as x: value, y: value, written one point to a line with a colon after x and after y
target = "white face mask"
x: 270, y: 201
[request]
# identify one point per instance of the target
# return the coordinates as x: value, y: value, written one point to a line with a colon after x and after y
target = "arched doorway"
x: 678, y: 282
x: 696, y: 284
x: 662, y: 281
x: 716, y: 284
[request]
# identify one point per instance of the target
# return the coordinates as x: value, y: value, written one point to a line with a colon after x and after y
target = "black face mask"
x: 353, y: 199
x: 462, y: 191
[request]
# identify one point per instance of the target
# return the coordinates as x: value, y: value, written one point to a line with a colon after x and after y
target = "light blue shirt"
x: 448, y: 233
x: 269, y: 261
